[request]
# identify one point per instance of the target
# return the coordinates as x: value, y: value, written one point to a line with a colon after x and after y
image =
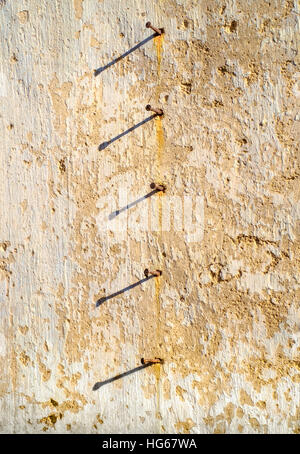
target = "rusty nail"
x: 158, y: 187
x: 156, y: 30
x: 153, y: 109
x: 152, y: 361
x: 154, y: 273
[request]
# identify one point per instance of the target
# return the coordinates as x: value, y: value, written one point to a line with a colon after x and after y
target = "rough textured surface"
x: 224, y: 315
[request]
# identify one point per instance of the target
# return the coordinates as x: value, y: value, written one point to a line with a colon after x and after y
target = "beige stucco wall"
x: 224, y: 315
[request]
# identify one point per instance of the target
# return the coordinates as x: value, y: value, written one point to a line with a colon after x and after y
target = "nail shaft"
x: 153, y: 109
x: 156, y: 30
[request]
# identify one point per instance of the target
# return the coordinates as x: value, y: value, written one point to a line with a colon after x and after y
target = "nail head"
x: 152, y: 361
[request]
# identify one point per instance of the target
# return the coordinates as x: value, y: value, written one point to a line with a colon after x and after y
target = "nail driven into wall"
x: 153, y: 273
x: 153, y: 109
x: 158, y: 187
x: 159, y: 31
x: 152, y: 361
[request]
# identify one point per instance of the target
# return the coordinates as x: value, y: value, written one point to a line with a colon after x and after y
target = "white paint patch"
x: 2, y: 345
x: 256, y: 282
x: 3, y: 291
x: 3, y: 84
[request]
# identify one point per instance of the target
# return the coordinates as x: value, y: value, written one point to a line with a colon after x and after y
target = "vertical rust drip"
x: 158, y: 41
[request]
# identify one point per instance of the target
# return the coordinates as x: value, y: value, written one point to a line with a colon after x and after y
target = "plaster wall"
x: 225, y: 313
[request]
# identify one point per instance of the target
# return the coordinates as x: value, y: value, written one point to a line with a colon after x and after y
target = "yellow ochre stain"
x: 159, y: 210
x: 158, y: 41
x: 157, y: 301
x: 156, y: 369
x: 160, y: 142
x: 158, y: 178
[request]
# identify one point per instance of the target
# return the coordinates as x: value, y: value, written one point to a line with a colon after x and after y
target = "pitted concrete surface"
x: 78, y: 154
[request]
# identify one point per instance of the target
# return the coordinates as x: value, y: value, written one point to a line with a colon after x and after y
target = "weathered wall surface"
x: 224, y: 315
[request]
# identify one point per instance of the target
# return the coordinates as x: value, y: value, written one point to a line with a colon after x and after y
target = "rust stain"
x: 160, y: 143
x: 160, y: 148
x: 158, y: 42
x: 157, y: 373
x: 157, y: 301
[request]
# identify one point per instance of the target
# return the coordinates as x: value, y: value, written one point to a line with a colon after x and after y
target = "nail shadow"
x: 116, y: 60
x: 116, y: 213
x: 117, y: 377
x: 106, y: 298
x: 103, y: 145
